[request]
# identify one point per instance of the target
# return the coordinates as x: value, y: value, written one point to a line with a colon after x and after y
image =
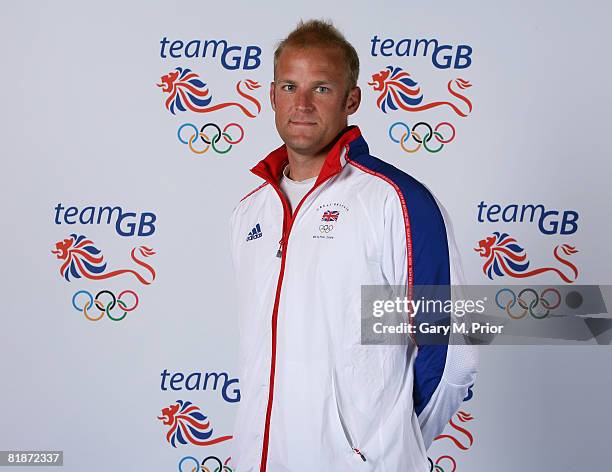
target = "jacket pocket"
x: 348, y: 437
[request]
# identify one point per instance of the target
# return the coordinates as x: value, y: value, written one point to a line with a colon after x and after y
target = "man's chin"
x: 303, y: 151
x: 302, y: 144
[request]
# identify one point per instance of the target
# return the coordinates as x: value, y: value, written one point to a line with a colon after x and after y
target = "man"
x: 328, y: 219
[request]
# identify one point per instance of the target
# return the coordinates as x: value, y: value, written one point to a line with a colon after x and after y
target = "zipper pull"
x: 279, y: 253
x: 358, y: 452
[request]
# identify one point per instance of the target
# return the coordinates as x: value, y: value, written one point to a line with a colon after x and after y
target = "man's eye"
x: 288, y: 87
x: 322, y: 89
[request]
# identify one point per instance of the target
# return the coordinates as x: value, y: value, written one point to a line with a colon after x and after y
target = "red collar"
x: 271, y: 167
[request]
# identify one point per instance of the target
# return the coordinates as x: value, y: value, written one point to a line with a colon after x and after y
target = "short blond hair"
x: 321, y: 33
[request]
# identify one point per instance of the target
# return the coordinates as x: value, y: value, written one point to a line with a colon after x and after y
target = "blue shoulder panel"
x: 430, y: 261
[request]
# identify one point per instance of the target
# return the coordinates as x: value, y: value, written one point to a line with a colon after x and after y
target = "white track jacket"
x: 312, y: 396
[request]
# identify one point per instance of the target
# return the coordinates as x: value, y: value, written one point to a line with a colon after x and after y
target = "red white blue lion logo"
x: 186, y: 91
x: 504, y: 256
x: 188, y: 425
x: 83, y: 259
x: 398, y: 90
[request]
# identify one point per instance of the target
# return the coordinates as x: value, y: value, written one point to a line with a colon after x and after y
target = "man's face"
x: 309, y: 98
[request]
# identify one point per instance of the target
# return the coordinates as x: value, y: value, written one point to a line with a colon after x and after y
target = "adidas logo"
x: 255, y: 233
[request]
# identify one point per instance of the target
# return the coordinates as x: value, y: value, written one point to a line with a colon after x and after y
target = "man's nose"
x: 303, y: 100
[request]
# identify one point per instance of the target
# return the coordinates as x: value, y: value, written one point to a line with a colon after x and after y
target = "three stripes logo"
x: 255, y: 233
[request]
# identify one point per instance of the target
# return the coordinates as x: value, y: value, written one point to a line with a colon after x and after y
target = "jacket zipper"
x: 281, y: 253
x: 358, y: 452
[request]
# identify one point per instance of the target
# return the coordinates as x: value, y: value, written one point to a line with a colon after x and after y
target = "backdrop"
x: 128, y: 131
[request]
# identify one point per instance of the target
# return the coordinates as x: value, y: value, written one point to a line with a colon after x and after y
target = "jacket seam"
x: 253, y: 191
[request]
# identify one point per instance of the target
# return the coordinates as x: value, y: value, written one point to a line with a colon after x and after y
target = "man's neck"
x: 304, y: 167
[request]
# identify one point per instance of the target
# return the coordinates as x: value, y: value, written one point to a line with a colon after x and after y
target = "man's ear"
x: 272, y: 97
x: 353, y: 100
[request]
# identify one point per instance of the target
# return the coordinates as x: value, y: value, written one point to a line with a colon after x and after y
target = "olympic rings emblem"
x: 325, y: 228
x: 528, y: 299
x: 438, y: 468
x: 419, y: 138
x: 214, y: 141
x: 105, y: 308
x: 214, y: 464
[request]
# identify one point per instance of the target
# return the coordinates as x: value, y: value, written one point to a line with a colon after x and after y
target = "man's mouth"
x: 302, y: 123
